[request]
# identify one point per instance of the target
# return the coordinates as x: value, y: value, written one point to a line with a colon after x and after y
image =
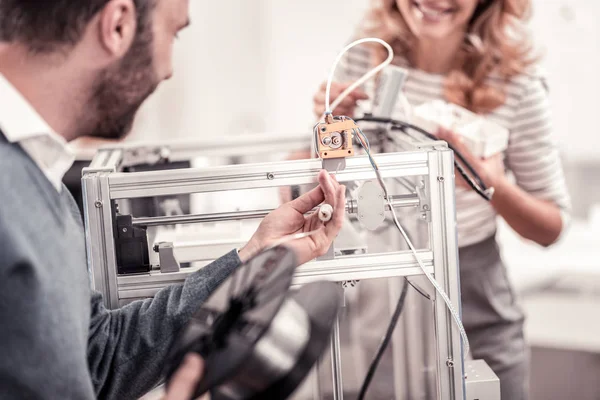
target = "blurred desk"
x: 563, y: 330
x: 563, y: 319
x: 560, y: 293
x: 531, y: 266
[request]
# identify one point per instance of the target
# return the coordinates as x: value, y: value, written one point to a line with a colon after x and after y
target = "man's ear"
x: 117, y: 26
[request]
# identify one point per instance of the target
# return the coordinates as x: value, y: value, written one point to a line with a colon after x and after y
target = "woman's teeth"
x: 433, y: 13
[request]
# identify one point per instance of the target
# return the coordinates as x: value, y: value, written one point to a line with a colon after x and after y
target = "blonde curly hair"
x: 496, y: 45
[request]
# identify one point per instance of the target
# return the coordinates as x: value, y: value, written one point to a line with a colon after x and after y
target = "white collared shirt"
x: 21, y: 123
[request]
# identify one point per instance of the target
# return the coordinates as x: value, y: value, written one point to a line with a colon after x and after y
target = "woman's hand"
x: 490, y: 170
x: 290, y: 219
x: 532, y: 218
x: 346, y: 107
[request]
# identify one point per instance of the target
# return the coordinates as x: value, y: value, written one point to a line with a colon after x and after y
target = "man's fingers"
x: 183, y: 384
x: 325, y: 192
x: 337, y: 219
x: 329, y: 185
x: 308, y: 201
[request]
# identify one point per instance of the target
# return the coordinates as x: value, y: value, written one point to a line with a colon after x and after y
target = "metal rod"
x: 400, y: 372
x: 336, y: 362
x: 317, y: 387
x: 407, y: 200
x: 200, y: 218
x: 404, y: 200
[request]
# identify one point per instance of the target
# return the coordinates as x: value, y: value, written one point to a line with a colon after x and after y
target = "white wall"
x: 248, y: 66
x: 219, y: 81
x: 303, y: 39
x: 569, y: 32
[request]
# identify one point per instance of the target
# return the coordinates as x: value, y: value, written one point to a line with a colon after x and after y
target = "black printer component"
x: 131, y: 246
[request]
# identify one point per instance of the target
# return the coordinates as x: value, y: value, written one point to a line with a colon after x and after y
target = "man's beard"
x: 120, y: 90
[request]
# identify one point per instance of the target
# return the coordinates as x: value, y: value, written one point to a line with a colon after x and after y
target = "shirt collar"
x: 20, y: 123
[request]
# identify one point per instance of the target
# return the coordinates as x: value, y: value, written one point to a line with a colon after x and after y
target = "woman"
x: 475, y: 54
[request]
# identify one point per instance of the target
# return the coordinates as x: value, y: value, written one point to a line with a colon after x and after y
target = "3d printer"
x: 128, y: 264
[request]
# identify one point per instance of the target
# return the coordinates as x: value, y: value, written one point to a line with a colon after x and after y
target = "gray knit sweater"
x: 57, y: 341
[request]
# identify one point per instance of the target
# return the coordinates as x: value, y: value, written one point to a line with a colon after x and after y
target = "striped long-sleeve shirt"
x: 531, y: 156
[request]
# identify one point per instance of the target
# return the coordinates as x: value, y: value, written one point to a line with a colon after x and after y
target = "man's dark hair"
x: 45, y: 25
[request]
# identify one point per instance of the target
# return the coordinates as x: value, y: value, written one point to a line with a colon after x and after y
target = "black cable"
x: 474, y: 181
x: 479, y: 190
x: 385, y: 342
x: 402, y: 126
x: 420, y: 291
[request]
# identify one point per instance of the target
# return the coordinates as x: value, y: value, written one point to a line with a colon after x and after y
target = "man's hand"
x: 290, y: 219
x: 490, y: 170
x: 186, y: 378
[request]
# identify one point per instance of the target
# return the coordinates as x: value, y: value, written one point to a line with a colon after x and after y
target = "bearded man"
x: 68, y: 69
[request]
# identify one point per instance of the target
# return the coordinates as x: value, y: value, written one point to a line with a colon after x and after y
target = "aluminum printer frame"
x: 103, y: 183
